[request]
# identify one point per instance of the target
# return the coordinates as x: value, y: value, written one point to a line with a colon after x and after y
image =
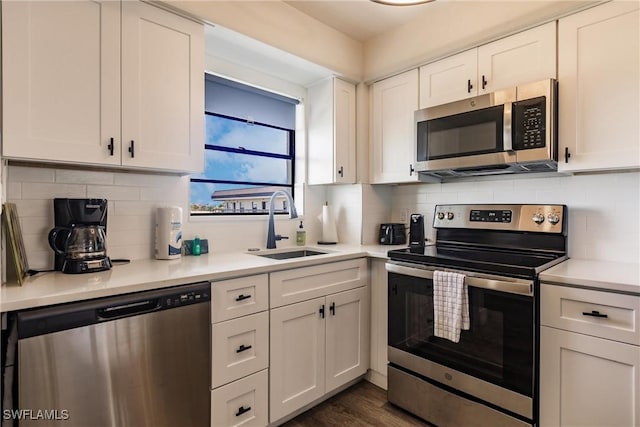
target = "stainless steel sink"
x: 299, y: 253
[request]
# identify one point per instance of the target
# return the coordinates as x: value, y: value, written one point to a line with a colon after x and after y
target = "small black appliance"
x: 416, y: 231
x: 393, y: 234
x: 79, y: 235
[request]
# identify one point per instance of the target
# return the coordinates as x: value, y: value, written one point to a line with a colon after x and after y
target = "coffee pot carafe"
x: 79, y: 235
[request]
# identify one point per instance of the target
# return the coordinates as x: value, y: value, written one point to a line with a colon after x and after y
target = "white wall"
x: 450, y: 26
x: 282, y: 26
x: 133, y: 198
x: 604, y: 209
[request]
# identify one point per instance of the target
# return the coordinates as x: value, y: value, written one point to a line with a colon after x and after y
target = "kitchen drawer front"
x: 583, y: 311
x: 241, y: 403
x: 301, y: 284
x: 238, y: 297
x: 239, y: 347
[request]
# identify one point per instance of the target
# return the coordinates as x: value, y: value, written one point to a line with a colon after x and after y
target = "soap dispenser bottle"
x: 301, y: 236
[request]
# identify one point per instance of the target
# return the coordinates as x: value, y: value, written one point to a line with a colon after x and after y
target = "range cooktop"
x: 510, y: 240
x: 489, y: 261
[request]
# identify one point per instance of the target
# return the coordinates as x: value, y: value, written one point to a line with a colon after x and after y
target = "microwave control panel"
x: 529, y: 123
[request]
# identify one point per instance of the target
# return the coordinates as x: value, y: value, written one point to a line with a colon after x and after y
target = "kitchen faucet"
x: 271, y: 231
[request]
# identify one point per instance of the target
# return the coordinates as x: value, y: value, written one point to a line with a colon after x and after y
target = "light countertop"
x: 55, y: 287
x: 602, y: 275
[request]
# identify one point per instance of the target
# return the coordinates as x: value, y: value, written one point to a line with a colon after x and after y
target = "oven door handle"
x: 506, y: 284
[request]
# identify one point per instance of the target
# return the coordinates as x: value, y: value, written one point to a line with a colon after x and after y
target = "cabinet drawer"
x: 239, y: 297
x: 300, y: 284
x: 241, y: 403
x: 584, y: 311
x: 239, y: 347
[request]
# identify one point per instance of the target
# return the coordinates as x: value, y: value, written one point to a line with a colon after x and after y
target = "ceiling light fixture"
x: 401, y: 2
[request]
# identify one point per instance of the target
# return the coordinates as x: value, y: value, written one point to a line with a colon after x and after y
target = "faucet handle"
x: 280, y: 237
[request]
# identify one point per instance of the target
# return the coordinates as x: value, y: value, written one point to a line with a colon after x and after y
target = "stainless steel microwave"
x: 507, y: 131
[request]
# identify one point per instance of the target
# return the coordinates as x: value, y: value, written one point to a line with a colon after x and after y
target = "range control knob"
x: 440, y: 215
x: 553, y: 218
x: 449, y: 216
x: 538, y: 218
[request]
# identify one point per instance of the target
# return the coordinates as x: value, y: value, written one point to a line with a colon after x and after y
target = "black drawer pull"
x: 469, y: 86
x: 243, y: 297
x: 242, y: 410
x: 243, y: 348
x: 594, y: 313
x: 110, y: 146
x: 321, y: 311
x: 132, y: 149
x: 332, y: 308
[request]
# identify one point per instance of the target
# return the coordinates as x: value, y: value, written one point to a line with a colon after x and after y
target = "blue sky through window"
x: 235, y: 165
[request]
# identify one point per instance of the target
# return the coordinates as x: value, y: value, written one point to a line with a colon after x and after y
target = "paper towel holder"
x: 329, y: 232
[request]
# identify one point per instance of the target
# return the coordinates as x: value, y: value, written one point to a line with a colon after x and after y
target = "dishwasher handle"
x: 125, y: 310
x: 55, y: 318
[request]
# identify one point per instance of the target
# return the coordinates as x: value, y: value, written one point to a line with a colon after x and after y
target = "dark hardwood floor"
x: 363, y: 404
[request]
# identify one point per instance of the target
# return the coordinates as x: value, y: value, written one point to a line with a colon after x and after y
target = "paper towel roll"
x: 329, y: 231
x: 168, y: 233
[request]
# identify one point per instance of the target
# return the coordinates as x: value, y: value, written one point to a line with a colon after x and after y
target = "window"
x: 249, y: 150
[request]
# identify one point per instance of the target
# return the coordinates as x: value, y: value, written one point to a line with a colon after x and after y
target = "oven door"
x: 494, y: 359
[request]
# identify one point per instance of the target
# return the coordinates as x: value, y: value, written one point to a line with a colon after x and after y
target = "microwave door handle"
x: 507, y: 119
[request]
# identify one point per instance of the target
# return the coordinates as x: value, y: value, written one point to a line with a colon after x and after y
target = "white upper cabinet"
x: 81, y: 80
x: 521, y: 58
x: 61, y: 81
x: 332, y: 132
x: 394, y: 101
x: 449, y: 79
x: 599, y: 88
x: 162, y: 89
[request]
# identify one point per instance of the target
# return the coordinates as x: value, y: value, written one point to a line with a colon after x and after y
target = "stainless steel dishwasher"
x: 139, y: 359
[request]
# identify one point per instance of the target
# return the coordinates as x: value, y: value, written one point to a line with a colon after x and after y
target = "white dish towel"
x: 450, y: 305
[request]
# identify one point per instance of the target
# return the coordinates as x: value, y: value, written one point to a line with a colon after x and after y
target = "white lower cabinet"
x: 241, y: 403
x: 378, y: 362
x: 317, y: 346
x: 588, y: 381
x: 589, y: 358
x: 241, y: 347
x: 240, y: 352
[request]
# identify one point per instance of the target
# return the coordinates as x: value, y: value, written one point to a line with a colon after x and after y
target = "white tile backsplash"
x: 133, y: 199
x: 604, y: 209
x: 113, y: 192
x: 72, y: 176
x: 40, y: 190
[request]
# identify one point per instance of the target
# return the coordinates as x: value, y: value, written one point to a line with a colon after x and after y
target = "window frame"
x: 290, y: 157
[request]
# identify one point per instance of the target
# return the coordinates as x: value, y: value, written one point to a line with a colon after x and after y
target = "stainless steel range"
x: 489, y: 377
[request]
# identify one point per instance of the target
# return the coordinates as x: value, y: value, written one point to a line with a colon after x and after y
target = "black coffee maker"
x: 79, y: 235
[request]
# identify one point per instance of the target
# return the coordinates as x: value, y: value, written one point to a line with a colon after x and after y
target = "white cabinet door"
x: 524, y: 57
x: 347, y: 342
x: 394, y: 101
x: 344, y: 132
x: 162, y: 89
x: 378, y: 318
x: 242, y: 403
x: 331, y: 151
x: 297, y: 356
x: 588, y: 381
x: 449, y: 79
x: 599, y: 88
x: 61, y: 81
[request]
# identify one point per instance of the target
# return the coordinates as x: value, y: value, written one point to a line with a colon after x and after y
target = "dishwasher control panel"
x: 186, y: 298
x: 55, y: 318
